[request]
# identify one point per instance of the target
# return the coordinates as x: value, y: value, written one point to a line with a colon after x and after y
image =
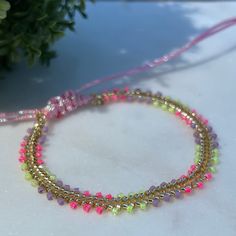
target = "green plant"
x: 32, y: 26
x: 4, y: 7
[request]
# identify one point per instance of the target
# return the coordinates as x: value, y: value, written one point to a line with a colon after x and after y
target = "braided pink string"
x: 71, y: 100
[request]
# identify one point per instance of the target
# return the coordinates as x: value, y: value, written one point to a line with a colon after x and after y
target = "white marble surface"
x: 125, y: 148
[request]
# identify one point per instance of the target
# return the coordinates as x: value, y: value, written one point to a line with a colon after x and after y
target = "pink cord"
x: 66, y: 102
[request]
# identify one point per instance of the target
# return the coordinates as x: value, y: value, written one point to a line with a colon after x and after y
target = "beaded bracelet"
x: 206, y: 156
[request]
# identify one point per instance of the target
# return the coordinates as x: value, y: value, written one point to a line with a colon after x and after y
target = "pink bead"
x: 205, y: 121
x: 87, y: 207
x: 39, y: 148
x: 193, y: 167
x: 22, y: 151
x: 109, y: 196
x: 38, y: 154
x: 22, y: 159
x: 200, y: 185
x: 106, y: 98
x: 122, y: 97
x: 87, y: 193
x: 23, y: 144
x: 188, y: 190
x: 99, y: 194
x: 40, y: 161
x: 188, y: 122
x: 126, y: 89
x: 183, y: 117
x: 177, y: 113
x: 99, y: 210
x: 73, y: 205
x: 208, y: 176
x: 114, y: 97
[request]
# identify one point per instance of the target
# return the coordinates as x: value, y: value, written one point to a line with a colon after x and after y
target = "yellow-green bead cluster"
x: 115, y: 211
x: 130, y: 208
x: 24, y: 166
x: 214, y: 160
x: 28, y: 176
x: 197, y: 154
x: 143, y: 205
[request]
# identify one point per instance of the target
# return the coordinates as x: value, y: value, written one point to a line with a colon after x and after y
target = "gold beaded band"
x: 201, y: 171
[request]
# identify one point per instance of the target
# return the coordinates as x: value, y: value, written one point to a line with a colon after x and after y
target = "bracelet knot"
x: 59, y: 106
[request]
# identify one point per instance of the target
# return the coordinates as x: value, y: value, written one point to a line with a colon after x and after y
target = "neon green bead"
x: 215, y: 160
x: 115, y: 211
x: 212, y: 169
x: 196, y: 160
x: 143, y: 205
x: 47, y: 170
x: 171, y: 109
x: 130, y: 208
x: 120, y: 195
x: 52, y: 177
x: 34, y: 183
x: 215, y: 152
x: 24, y: 166
x: 164, y: 107
x: 155, y: 103
x: 28, y: 176
x: 197, y: 155
x: 197, y: 148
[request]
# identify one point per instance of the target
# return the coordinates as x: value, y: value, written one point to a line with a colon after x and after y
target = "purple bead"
x: 76, y: 190
x: 173, y: 181
x: 26, y: 137
x: 213, y: 136
x: 67, y: 187
x: 49, y: 196
x: 29, y: 130
x: 130, y: 98
x: 209, y: 128
x: 42, y: 139
x: 61, y: 201
x: 197, y: 140
x: 166, y: 198
x: 163, y: 184
x: 152, y: 188
x: 41, y: 189
x: 193, y: 126
x: 215, y: 144
x: 178, y: 194
x: 155, y: 202
x: 196, y: 135
x: 45, y: 129
x: 148, y: 100
x: 59, y: 183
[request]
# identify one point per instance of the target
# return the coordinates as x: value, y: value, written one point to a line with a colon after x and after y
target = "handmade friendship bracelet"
x: 32, y: 163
